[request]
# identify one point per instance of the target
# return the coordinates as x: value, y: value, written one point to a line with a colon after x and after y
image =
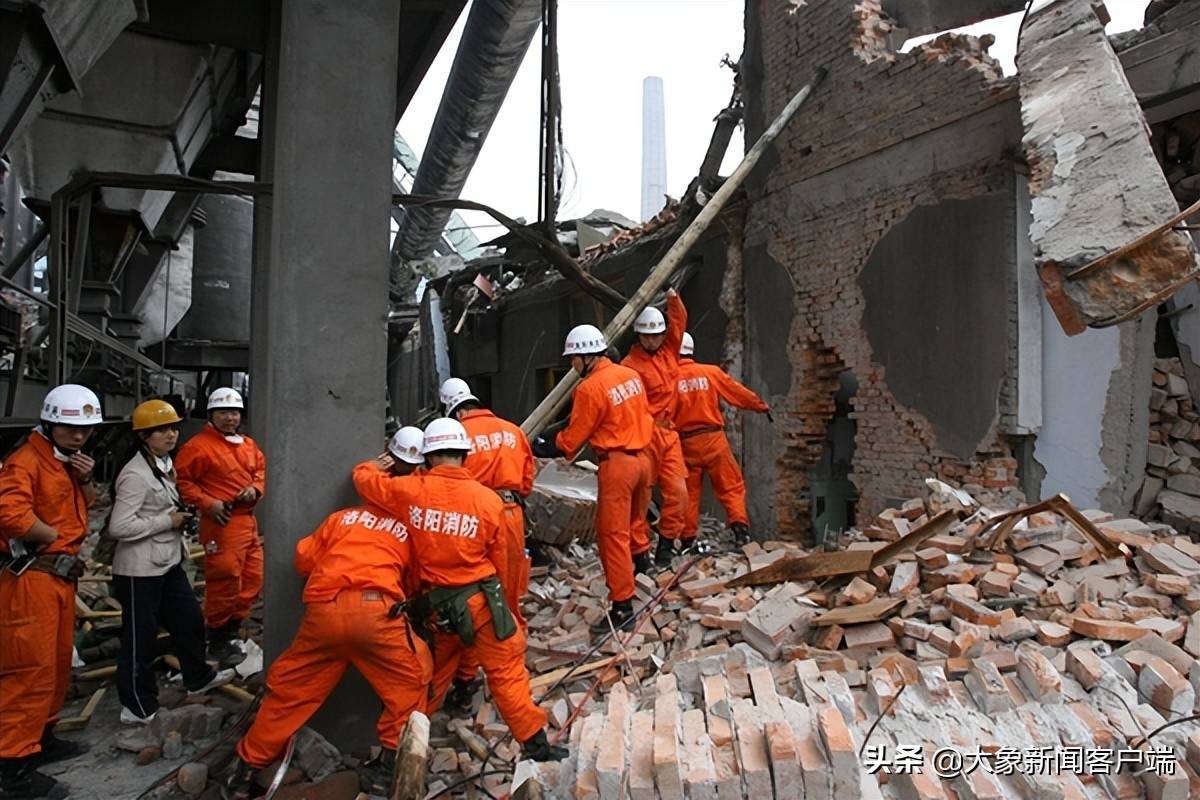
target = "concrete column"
x: 320, y: 286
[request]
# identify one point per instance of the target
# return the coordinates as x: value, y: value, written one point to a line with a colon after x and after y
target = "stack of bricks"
x: 1171, y: 488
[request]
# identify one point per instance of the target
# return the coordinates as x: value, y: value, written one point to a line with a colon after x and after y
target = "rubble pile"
x: 776, y: 672
x: 1171, y: 489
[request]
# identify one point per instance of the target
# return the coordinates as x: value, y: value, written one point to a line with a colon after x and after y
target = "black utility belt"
x: 60, y: 565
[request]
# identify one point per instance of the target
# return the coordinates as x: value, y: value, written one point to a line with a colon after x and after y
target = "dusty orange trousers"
x: 353, y: 628
x: 710, y: 453
x: 503, y: 665
x: 624, y: 495
x: 37, y: 629
x: 233, y: 569
x: 669, y: 473
x: 514, y: 584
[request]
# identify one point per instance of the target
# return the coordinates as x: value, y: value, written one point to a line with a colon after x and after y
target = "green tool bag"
x: 454, y: 615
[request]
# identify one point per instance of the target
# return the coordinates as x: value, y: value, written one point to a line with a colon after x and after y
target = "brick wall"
x: 872, y: 100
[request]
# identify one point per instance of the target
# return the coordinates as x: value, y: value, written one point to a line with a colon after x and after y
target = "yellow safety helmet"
x: 154, y: 414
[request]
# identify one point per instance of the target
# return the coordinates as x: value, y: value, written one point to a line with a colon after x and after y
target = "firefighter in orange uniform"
x: 701, y: 388
x: 46, y: 488
x: 360, y: 571
x: 502, y: 461
x: 655, y: 356
x: 609, y: 412
x: 455, y: 526
x: 223, y: 473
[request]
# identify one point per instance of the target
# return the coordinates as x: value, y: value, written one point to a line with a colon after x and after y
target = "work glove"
x: 544, y: 448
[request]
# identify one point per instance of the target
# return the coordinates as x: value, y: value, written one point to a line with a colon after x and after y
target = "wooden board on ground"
x: 85, y: 716
x: 799, y: 568
x: 550, y: 678
x: 866, y: 612
x: 935, y: 526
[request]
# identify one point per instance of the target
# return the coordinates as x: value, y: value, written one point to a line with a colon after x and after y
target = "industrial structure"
x: 938, y: 274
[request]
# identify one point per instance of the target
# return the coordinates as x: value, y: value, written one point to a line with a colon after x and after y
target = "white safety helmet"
x: 687, y: 346
x: 585, y: 340
x: 406, y: 445
x: 445, y: 434
x: 454, y: 393
x: 452, y: 388
x: 71, y: 404
x: 651, y: 320
x: 225, y: 398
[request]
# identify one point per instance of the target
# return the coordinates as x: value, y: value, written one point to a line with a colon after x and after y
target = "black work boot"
x: 237, y: 780
x: 378, y: 773
x: 642, y: 564
x: 222, y: 649
x: 539, y: 749
x: 19, y: 781
x: 664, y: 552
x: 741, y: 533
x: 458, y: 699
x: 621, y: 614
x: 56, y: 749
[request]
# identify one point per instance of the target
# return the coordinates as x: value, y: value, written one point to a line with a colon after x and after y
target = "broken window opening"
x: 834, y: 496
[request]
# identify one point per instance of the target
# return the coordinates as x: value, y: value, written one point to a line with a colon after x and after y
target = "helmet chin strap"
x: 59, y: 453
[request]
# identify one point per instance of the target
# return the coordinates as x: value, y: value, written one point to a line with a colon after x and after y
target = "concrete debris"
x: 1081, y: 119
x: 1171, y: 489
x: 748, y: 691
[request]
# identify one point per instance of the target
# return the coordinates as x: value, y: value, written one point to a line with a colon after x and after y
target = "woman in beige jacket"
x: 148, y: 578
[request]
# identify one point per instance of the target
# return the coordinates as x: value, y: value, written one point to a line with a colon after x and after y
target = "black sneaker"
x: 741, y: 533
x: 621, y: 614
x: 642, y: 564
x: 664, y: 552
x: 539, y: 749
x: 20, y: 781
x: 56, y: 749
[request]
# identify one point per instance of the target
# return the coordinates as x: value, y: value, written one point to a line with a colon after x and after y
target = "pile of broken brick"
x: 1171, y: 488
x: 945, y: 650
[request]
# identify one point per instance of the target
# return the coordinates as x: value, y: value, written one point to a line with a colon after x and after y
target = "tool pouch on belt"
x: 454, y: 615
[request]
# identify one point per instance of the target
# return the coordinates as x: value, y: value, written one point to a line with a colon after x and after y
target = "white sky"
x: 606, y: 48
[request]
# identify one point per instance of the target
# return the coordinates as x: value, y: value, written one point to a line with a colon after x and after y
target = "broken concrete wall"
x: 890, y: 147
x: 1094, y: 178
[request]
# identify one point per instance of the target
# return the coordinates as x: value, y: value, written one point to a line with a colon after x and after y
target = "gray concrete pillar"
x: 320, y: 289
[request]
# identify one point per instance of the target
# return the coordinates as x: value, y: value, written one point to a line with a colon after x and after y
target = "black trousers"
x: 147, y: 603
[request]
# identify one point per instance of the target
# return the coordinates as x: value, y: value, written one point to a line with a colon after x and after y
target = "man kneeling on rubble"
x: 455, y: 527
x: 360, y: 571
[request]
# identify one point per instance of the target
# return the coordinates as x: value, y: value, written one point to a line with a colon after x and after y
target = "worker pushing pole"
x: 662, y: 272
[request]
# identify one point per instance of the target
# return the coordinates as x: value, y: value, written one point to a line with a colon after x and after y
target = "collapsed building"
x: 878, y: 280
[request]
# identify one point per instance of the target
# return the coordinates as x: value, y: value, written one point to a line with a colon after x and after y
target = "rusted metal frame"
x: 560, y: 259
x: 1129, y: 247
x: 1059, y: 504
x: 1053, y: 278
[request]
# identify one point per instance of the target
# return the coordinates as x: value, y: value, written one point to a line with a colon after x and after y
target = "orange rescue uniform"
x: 454, y: 523
x: 358, y: 564
x: 212, y: 469
x: 700, y: 389
x: 609, y: 411
x: 37, y: 610
x: 659, y: 372
x: 502, y: 461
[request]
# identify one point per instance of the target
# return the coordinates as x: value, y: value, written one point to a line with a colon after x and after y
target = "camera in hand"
x: 192, y: 526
